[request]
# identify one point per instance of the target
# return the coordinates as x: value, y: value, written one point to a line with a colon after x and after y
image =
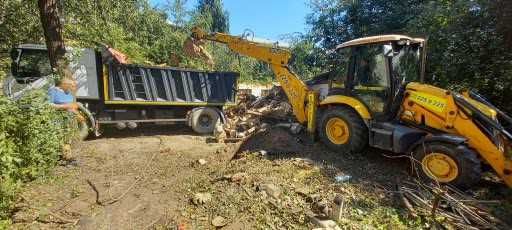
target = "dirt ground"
x: 169, y: 178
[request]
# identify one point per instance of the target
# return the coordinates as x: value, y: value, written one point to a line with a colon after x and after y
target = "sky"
x: 266, y: 18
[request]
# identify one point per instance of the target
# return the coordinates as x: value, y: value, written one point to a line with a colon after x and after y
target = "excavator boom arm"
x: 276, y: 57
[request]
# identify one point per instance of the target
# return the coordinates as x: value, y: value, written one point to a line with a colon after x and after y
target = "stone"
x: 24, y: 217
x: 325, y: 224
x: 271, y: 189
x: 238, y: 177
x: 219, y: 221
x: 202, y: 161
x: 201, y: 198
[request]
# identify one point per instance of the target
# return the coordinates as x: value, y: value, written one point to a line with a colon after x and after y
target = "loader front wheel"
x: 447, y: 164
x: 343, y: 130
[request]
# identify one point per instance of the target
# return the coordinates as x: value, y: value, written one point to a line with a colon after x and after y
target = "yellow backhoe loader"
x: 376, y: 98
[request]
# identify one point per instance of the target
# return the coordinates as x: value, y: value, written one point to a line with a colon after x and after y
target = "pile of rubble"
x: 252, y: 115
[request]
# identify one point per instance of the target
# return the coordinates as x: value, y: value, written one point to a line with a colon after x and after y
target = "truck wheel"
x: 343, y: 130
x: 448, y: 164
x: 203, y: 120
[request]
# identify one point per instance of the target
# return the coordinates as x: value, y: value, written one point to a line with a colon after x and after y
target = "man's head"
x: 67, y: 84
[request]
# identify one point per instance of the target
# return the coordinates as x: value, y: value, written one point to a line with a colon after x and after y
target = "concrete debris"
x: 324, y: 224
x: 238, y: 177
x: 219, y: 221
x: 322, y: 207
x: 24, y: 217
x: 271, y: 190
x: 219, y: 132
x: 252, y: 115
x: 201, y: 198
x: 202, y: 161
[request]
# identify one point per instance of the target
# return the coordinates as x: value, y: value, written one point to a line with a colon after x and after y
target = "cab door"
x: 369, y: 79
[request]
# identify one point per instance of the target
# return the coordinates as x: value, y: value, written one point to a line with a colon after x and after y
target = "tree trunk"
x: 504, y: 20
x: 52, y: 27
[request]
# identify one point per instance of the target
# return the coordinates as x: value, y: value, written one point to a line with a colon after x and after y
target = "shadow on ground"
x: 147, y: 130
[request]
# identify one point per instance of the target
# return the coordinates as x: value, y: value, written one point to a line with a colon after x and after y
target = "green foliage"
x: 214, y: 10
x: 32, y: 134
x: 308, y: 59
x: 12, y: 15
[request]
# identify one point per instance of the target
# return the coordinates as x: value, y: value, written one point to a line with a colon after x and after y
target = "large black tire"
x: 203, y: 120
x: 357, y: 129
x: 469, y: 168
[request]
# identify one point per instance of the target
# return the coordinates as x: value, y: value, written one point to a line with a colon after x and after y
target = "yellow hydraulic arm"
x: 276, y: 57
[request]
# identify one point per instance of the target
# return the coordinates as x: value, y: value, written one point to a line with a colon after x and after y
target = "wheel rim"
x: 204, y: 121
x: 440, y: 167
x: 337, y: 131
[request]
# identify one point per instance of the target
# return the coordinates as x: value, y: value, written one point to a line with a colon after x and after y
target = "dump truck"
x: 376, y: 97
x: 126, y: 95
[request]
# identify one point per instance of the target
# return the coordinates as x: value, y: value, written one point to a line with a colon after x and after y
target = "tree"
x: 215, y: 10
x: 504, y: 18
x: 177, y: 11
x: 52, y: 28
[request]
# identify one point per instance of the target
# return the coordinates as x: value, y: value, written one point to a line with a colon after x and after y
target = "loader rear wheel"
x: 448, y: 164
x: 343, y: 130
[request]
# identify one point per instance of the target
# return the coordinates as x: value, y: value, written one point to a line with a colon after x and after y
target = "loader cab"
x: 375, y: 70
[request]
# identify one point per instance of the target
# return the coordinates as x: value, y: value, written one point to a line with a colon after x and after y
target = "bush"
x: 32, y: 134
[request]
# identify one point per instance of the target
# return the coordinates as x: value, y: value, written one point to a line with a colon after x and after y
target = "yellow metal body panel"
x: 482, y: 107
x: 428, y: 101
x: 453, y: 120
x: 166, y: 103
x: 105, y: 82
x: 351, y: 102
x: 311, y: 108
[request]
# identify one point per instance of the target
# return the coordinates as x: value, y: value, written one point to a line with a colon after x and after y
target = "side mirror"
x: 388, y: 51
x: 14, y: 54
x: 14, y: 62
x: 14, y: 69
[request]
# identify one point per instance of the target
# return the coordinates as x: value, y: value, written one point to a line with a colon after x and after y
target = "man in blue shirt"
x: 61, y: 96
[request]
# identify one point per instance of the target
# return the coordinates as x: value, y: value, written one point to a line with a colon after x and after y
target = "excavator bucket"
x: 195, y: 48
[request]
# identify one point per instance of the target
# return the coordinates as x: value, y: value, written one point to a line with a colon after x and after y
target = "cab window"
x: 33, y: 64
x: 339, y: 72
x: 370, y: 80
